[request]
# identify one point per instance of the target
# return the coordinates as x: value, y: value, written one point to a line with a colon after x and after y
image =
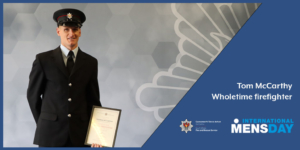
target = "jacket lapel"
x: 80, y: 60
x: 58, y: 59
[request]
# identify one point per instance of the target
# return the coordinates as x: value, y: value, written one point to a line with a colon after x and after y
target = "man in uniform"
x: 63, y: 87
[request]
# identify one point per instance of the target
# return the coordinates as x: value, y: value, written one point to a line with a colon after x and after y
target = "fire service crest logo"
x: 186, y: 126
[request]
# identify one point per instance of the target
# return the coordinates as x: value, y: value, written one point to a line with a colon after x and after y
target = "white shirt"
x: 66, y: 51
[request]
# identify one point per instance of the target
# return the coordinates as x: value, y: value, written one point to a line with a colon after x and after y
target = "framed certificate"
x: 103, y: 126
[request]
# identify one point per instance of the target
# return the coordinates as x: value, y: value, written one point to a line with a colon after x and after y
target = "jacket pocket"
x: 48, y: 116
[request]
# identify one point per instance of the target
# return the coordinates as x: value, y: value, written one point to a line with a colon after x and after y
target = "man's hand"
x: 96, y: 145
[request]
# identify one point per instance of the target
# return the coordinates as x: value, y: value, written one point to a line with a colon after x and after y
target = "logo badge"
x: 69, y: 15
x: 186, y: 126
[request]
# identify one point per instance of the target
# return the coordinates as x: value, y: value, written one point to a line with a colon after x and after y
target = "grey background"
x: 149, y: 56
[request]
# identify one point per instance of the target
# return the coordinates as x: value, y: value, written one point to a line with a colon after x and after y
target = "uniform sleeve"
x: 36, y: 88
x: 93, y: 89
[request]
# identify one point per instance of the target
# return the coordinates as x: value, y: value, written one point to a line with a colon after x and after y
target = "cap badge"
x: 69, y: 15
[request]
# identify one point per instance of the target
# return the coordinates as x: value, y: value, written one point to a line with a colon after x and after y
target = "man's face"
x: 69, y: 36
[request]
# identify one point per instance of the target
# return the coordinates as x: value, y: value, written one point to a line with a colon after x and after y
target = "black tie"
x: 70, y: 62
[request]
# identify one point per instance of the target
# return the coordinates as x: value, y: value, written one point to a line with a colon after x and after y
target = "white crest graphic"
x: 190, y: 63
x: 186, y: 126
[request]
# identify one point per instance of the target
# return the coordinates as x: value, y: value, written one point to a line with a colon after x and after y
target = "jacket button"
x: 70, y: 84
x: 69, y: 115
x: 69, y: 99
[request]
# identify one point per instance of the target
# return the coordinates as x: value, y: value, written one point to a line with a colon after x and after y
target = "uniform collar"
x: 66, y: 51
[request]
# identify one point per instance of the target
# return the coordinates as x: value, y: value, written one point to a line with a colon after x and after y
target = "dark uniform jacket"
x: 61, y: 103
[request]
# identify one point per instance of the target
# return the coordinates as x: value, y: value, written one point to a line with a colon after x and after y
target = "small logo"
x: 186, y: 126
x: 236, y: 120
x: 69, y: 15
x: 262, y: 125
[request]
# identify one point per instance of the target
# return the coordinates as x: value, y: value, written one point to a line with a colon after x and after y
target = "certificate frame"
x: 91, y: 118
